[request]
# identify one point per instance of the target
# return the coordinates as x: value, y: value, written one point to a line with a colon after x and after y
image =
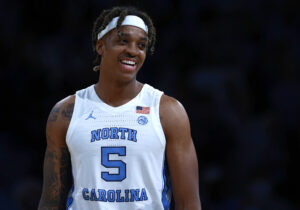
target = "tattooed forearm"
x: 67, y: 112
x: 53, y: 114
x: 57, y: 179
x: 50, y: 195
x: 65, y: 174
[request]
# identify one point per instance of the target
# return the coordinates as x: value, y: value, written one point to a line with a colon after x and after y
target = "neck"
x: 116, y: 94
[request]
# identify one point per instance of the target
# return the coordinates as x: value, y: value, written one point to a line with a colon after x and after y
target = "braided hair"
x: 107, y: 15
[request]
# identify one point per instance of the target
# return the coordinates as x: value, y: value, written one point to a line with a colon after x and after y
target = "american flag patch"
x: 142, y: 110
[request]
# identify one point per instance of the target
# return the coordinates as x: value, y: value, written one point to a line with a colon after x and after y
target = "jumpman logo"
x: 91, y: 116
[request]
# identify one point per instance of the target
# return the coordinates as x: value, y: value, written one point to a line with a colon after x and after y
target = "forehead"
x: 129, y: 31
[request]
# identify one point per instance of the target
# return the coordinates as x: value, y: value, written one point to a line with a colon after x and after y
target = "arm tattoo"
x: 67, y: 112
x: 65, y: 175
x: 57, y: 179
x: 51, y: 177
x: 53, y: 114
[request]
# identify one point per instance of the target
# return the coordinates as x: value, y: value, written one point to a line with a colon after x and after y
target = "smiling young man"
x: 120, y: 144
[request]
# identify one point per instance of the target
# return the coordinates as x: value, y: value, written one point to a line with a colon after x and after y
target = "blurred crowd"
x: 234, y: 65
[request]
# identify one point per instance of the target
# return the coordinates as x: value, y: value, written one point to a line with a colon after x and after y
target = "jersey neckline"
x: 121, y: 107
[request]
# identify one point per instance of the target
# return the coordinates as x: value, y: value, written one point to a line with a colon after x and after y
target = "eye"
x: 123, y: 41
x: 142, y: 45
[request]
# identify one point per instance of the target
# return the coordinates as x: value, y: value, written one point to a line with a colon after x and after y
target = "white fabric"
x: 130, y: 20
x: 144, y: 158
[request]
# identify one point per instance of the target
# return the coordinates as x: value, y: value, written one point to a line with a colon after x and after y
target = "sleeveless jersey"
x: 118, y: 153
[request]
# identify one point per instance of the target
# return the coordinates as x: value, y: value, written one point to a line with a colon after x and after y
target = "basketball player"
x: 120, y: 144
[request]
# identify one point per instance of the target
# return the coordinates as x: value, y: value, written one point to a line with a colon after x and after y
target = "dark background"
x: 233, y: 64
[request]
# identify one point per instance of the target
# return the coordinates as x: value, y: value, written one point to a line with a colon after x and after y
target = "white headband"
x: 129, y: 20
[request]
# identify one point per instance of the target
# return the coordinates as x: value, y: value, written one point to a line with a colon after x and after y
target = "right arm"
x: 57, y: 163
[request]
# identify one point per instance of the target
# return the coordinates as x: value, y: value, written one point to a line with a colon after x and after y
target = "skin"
x: 57, y: 163
x: 117, y: 86
x: 180, y: 154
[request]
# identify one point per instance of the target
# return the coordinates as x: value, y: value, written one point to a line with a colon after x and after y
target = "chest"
x: 95, y: 130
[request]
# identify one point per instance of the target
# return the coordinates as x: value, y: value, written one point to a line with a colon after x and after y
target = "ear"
x: 100, y: 47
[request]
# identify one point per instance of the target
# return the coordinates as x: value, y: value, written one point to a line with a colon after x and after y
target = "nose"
x: 132, y: 50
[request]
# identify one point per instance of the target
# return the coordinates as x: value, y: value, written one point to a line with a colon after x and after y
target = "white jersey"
x: 118, y: 153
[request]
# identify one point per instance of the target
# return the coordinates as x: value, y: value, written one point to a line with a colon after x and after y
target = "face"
x: 122, y: 55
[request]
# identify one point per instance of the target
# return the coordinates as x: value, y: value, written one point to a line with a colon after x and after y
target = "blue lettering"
x: 126, y: 196
x: 119, y: 198
x: 123, y: 130
x: 114, y: 133
x: 134, y: 195
x: 132, y: 135
x: 85, y: 191
x: 95, y: 135
x: 93, y: 195
x: 144, y: 196
x: 130, y: 195
x: 105, y: 133
x: 111, y: 195
x: 102, y: 194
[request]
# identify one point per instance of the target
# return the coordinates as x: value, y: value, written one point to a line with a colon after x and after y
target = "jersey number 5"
x: 106, y: 162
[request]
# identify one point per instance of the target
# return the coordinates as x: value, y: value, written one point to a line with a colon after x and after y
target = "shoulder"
x: 169, y: 104
x: 172, y: 115
x: 62, y: 109
x: 60, y: 117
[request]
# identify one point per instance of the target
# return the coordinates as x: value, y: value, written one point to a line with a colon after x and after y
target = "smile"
x: 128, y: 65
x: 128, y: 62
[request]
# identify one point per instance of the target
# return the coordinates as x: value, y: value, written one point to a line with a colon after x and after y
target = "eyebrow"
x: 144, y: 38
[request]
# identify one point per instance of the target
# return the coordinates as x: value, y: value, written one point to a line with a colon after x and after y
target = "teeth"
x: 128, y: 62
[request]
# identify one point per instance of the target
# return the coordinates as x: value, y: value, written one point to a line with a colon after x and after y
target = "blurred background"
x: 234, y: 65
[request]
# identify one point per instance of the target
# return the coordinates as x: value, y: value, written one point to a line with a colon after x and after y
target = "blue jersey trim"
x: 70, y: 198
x: 166, y: 188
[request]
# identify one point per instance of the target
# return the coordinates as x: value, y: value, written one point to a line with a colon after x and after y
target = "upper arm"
x: 180, y: 154
x: 57, y: 165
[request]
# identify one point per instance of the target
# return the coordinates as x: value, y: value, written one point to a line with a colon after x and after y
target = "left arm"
x: 180, y: 154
